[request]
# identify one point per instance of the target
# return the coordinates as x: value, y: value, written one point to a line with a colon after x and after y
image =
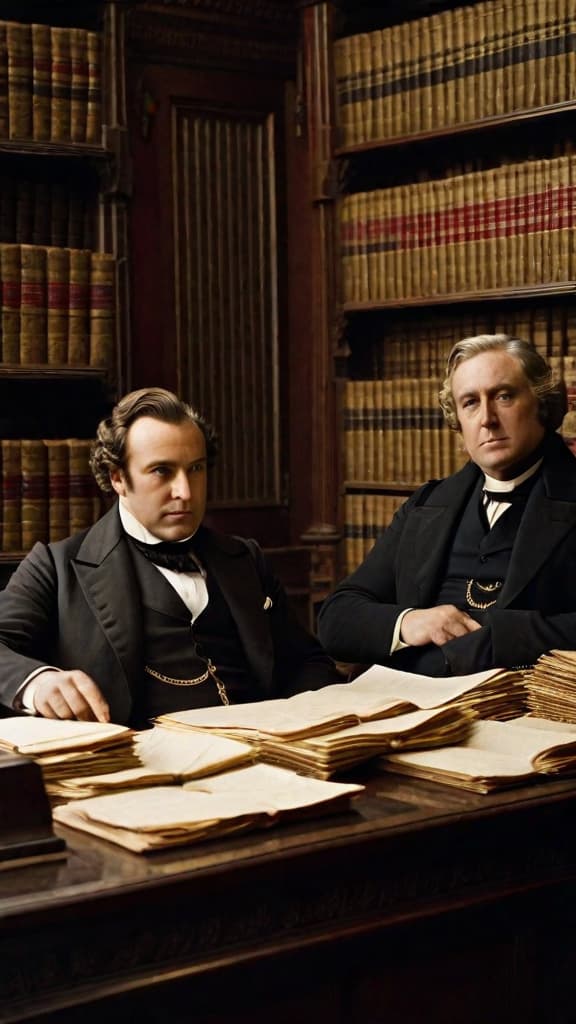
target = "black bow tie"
x: 515, y: 495
x: 501, y: 496
x: 176, y: 555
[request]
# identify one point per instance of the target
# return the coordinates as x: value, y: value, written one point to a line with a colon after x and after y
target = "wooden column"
x: 322, y: 531
x: 116, y: 188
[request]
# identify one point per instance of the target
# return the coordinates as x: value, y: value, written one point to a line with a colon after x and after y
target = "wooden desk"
x: 425, y: 904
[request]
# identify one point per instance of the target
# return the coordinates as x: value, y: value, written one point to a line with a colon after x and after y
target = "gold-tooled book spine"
x: 10, y: 275
x: 85, y: 503
x: 58, y: 453
x: 78, y: 308
x: 61, y: 84
x: 19, y: 38
x: 58, y: 285
x: 532, y: 69
x: 34, y: 493
x: 365, y: 85
x: 41, y: 76
x: 79, y: 84
x: 94, y: 105
x: 3, y: 81
x: 11, y: 495
x: 377, y: 85
x: 437, y: 82
x: 33, y: 311
x: 102, y: 278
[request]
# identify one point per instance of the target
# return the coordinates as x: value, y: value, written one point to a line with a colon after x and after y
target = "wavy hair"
x: 550, y: 393
x: 109, y: 450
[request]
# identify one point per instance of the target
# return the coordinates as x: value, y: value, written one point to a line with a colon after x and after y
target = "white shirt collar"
x: 134, y: 527
x: 491, y: 484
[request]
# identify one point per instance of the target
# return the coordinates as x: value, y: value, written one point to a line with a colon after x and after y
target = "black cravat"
x: 176, y: 555
x: 510, y: 496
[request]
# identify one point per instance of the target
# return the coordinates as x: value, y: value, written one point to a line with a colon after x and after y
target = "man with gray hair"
x: 477, y: 570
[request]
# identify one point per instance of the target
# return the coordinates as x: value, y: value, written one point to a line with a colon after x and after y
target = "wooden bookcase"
x: 64, y: 187
x: 419, y: 113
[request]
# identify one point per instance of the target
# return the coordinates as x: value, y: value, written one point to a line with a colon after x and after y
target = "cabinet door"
x: 208, y: 274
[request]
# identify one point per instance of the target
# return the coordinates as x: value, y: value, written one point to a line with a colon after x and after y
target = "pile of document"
x: 162, y: 817
x: 495, y: 755
x: 163, y: 758
x: 324, y: 731
x: 67, y: 750
x: 551, y: 686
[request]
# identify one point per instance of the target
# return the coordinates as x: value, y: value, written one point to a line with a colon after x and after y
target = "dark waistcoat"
x: 479, y: 553
x: 179, y: 649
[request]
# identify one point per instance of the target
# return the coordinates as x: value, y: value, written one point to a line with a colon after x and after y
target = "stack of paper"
x: 164, y: 758
x: 68, y: 749
x: 494, y: 693
x: 323, y: 756
x: 165, y: 816
x: 551, y: 686
x: 378, y: 693
x: 327, y: 730
x: 496, y: 754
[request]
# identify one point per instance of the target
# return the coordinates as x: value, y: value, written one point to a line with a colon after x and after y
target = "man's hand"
x: 435, y: 625
x: 69, y: 694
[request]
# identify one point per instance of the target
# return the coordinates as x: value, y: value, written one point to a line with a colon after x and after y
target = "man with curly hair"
x: 149, y: 611
x: 478, y: 570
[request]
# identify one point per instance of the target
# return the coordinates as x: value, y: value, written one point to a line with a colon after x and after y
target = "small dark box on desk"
x: 26, y: 834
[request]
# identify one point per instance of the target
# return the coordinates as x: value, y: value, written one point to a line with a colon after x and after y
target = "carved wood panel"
x: 226, y: 290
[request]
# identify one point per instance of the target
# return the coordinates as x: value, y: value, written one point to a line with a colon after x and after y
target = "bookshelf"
x: 64, y: 187
x: 443, y: 148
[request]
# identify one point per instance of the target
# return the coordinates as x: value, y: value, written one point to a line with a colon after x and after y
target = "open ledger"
x: 495, y: 755
x: 162, y: 817
x: 551, y: 686
x: 164, y: 758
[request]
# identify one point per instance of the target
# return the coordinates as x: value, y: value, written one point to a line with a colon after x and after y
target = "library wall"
x: 62, y: 263
x: 451, y: 170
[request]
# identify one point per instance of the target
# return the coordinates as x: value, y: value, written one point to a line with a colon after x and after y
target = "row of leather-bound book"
x: 506, y: 227
x: 366, y: 516
x: 50, y: 84
x: 404, y: 346
x: 454, y: 67
x: 57, y: 306
x: 394, y: 430
x: 48, y: 491
x: 54, y: 213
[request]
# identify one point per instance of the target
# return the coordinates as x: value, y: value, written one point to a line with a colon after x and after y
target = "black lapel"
x: 105, y: 572
x: 425, y: 547
x: 549, y: 515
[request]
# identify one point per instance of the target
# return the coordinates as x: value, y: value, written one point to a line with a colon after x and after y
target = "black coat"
x: 75, y: 604
x: 535, y: 610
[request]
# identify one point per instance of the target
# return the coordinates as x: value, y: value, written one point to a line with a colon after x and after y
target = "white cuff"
x: 24, y: 699
x: 397, y: 643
